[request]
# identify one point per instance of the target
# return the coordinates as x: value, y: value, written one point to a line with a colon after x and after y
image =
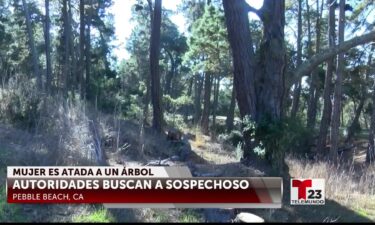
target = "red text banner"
x: 142, y: 190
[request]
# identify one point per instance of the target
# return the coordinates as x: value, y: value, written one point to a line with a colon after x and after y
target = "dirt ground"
x: 207, y: 157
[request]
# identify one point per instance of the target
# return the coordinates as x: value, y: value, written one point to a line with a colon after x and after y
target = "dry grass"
x: 353, y: 188
x: 211, y: 151
x: 200, y: 140
x: 50, y: 129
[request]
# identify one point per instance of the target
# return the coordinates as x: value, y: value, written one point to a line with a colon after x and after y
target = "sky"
x: 121, y: 10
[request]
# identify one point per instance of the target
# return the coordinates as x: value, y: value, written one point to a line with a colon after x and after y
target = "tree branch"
x: 249, y: 8
x: 326, y: 54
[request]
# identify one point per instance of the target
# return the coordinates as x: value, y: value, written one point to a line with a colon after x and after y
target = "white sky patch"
x: 122, y: 13
x: 121, y: 10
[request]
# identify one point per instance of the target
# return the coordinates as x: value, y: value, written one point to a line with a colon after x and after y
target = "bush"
x: 20, y: 102
x: 99, y: 216
x: 276, y: 138
x: 234, y: 138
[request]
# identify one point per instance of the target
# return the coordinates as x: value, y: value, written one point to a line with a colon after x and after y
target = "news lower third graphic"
x: 307, y: 192
x: 140, y: 187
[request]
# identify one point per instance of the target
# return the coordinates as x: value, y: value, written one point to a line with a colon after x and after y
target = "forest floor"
x: 137, y: 146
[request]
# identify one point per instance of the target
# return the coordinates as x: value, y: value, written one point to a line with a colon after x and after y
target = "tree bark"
x: 154, y: 68
x: 47, y: 40
x: 197, y: 98
x: 81, y: 66
x: 73, y: 68
x: 34, y: 53
x: 88, y: 51
x: 206, y: 103
x: 239, y: 36
x: 358, y: 110
x: 297, y: 85
x: 332, y: 51
x: 230, y: 115
x: 355, y: 122
x: 146, y: 100
x: 216, y: 100
x: 189, y: 94
x: 335, y: 132
x: 259, y: 81
x: 66, y: 36
x: 170, y: 74
x: 314, y: 77
x: 370, y: 154
x: 327, y: 105
x: 270, y: 68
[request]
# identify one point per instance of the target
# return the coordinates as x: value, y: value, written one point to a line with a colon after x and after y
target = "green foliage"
x: 235, y: 137
x: 20, y: 102
x: 208, y: 45
x: 280, y: 137
x: 160, y: 217
x: 175, y: 120
x: 177, y: 107
x: 177, y: 103
x: 189, y: 216
x: 98, y: 216
x: 273, y: 139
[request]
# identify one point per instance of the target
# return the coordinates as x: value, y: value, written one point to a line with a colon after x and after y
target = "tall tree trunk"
x: 88, y: 50
x: 270, y: 78
x: 312, y: 105
x: 73, y: 75
x: 66, y: 36
x: 104, y: 47
x: 189, y: 94
x: 297, y: 86
x: 314, y: 76
x: 34, y: 53
x: 81, y: 66
x: 47, y: 40
x: 370, y: 154
x: 170, y: 74
x: 355, y: 122
x: 237, y: 21
x: 230, y: 115
x: 270, y: 73
x: 146, y: 100
x: 262, y: 99
x: 239, y: 36
x: 335, y: 132
x: 197, y: 97
x: 154, y: 68
x: 358, y: 110
x: 216, y: 100
x: 206, y: 103
x: 327, y: 105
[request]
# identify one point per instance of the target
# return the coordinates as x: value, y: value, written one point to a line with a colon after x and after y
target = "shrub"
x: 275, y: 138
x: 20, y: 102
x: 234, y: 138
x: 99, y: 216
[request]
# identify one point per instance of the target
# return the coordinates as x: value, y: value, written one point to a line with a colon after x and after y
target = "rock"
x: 218, y: 215
x: 248, y: 218
x: 175, y: 158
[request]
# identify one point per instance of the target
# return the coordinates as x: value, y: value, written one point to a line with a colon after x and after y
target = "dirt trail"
x: 206, y: 158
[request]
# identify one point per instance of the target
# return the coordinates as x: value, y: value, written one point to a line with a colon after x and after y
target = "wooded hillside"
x: 287, y: 89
